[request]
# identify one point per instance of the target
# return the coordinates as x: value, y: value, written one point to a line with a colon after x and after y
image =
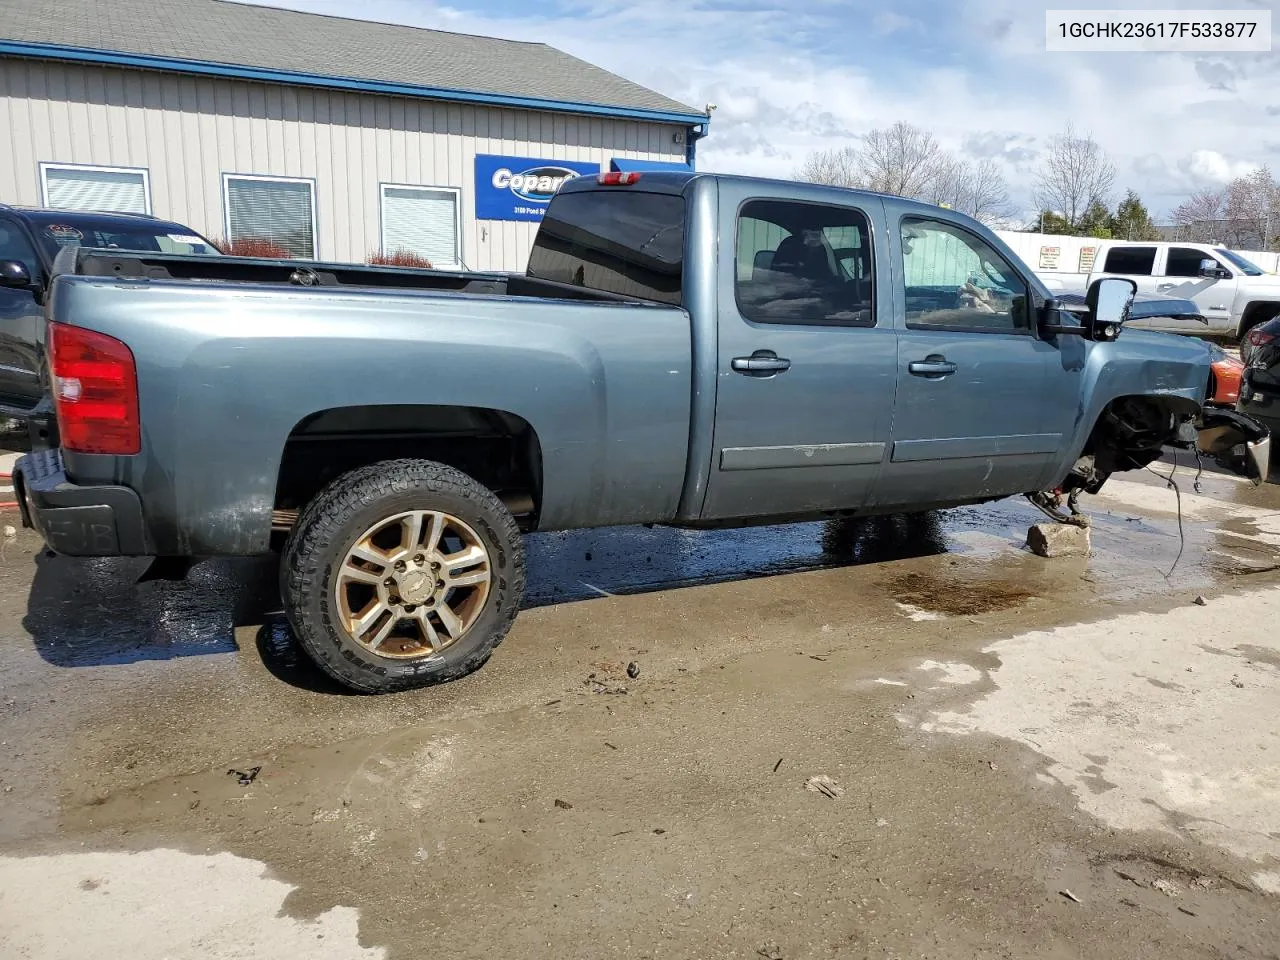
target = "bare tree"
x: 1251, y: 201
x: 900, y: 159
x: 976, y: 189
x: 907, y: 161
x: 1198, y: 218
x: 1074, y: 174
x: 838, y: 167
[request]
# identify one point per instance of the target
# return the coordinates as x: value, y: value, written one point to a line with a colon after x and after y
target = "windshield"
x: 1247, y: 268
x: 80, y: 231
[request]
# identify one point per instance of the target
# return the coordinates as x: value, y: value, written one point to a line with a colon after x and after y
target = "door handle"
x: 1165, y: 286
x: 934, y: 367
x: 762, y: 363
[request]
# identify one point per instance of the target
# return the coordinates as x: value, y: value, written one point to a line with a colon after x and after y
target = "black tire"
x: 337, y: 517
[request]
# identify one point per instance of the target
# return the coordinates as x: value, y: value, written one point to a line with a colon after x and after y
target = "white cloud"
x: 1211, y: 167
x: 790, y: 80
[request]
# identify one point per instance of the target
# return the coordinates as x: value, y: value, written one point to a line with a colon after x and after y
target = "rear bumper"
x: 78, y: 521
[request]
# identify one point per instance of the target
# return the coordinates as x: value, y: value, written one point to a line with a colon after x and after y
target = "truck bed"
x: 306, y: 273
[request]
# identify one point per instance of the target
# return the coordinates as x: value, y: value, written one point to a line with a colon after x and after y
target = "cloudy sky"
x: 792, y: 77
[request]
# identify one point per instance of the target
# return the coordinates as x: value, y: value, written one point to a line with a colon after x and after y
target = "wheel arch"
x: 499, y: 449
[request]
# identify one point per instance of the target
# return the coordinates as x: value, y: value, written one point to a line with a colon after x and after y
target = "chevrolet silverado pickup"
x: 683, y: 349
x: 1232, y: 294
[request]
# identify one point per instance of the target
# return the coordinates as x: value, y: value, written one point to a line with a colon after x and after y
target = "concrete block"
x: 1058, y: 540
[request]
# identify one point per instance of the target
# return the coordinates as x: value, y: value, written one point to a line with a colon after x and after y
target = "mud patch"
x: 954, y: 597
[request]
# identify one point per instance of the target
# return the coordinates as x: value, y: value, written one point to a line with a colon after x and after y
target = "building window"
x: 74, y: 186
x: 267, y: 216
x: 421, y: 221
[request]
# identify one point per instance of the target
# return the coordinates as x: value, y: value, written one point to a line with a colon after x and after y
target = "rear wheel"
x: 402, y: 574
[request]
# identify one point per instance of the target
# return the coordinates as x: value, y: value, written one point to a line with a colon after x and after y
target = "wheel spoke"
x: 350, y: 573
x: 361, y: 622
x: 369, y: 554
x: 428, y: 630
x: 412, y: 530
x: 471, y: 579
x: 383, y: 631
x: 450, y: 621
x: 434, y: 530
x: 465, y: 558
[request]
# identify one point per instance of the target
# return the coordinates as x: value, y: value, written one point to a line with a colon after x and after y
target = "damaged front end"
x: 1235, y: 441
x: 1134, y: 432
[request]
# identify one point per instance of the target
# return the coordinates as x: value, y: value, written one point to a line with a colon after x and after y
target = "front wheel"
x: 402, y: 574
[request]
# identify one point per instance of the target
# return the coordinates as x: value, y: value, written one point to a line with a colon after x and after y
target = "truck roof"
x: 43, y: 214
x: 674, y: 181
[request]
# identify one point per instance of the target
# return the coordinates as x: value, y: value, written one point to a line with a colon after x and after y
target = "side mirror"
x: 1213, y: 269
x: 15, y: 275
x: 1108, y: 300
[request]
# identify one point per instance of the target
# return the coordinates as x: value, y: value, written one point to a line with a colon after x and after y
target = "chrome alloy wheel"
x: 412, y: 584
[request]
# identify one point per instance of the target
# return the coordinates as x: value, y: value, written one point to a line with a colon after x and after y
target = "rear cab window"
x: 1130, y: 261
x: 804, y: 263
x: 623, y: 241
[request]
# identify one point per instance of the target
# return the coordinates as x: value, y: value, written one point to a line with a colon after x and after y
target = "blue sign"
x: 519, y: 188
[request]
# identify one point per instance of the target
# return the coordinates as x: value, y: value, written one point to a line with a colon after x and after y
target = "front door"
x: 979, y: 411
x: 806, y: 357
x: 20, y: 320
x: 1181, y: 278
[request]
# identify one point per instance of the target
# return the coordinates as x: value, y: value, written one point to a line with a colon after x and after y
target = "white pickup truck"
x: 1232, y: 293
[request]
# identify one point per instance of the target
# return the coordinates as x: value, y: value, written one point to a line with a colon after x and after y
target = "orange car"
x: 1224, y: 380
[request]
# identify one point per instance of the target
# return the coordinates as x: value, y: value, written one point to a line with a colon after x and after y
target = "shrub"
x: 400, y: 258
x: 253, y: 247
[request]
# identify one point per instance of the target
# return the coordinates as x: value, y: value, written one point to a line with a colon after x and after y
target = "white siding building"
x: 331, y: 138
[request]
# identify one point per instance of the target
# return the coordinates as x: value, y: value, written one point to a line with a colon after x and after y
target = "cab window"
x: 804, y: 263
x: 1130, y: 261
x: 1185, y: 262
x: 955, y: 280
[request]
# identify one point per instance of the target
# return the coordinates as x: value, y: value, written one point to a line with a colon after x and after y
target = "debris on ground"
x: 824, y: 785
x: 1167, y: 887
x: 1069, y: 895
x: 245, y: 777
x: 770, y: 951
x: 633, y: 670
x: 563, y: 804
x: 1052, y: 540
x: 778, y: 764
x: 10, y: 532
x: 1237, y: 682
x: 1200, y: 601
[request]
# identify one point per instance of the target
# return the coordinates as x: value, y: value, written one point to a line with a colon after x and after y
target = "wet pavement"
x: 551, y: 805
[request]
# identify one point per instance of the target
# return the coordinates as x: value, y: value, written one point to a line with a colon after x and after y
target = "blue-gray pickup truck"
x: 683, y: 349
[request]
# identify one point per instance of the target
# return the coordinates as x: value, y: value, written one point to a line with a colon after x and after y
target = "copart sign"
x: 519, y: 188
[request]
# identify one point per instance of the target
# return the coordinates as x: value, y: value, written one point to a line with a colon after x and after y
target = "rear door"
x: 978, y: 411
x: 806, y: 355
x: 20, y: 319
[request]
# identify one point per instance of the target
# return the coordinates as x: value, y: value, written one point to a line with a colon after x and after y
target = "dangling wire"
x: 1199, y: 470
x: 1169, y: 481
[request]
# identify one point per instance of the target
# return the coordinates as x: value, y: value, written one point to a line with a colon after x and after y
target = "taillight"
x: 1258, y: 336
x: 617, y: 179
x: 95, y: 391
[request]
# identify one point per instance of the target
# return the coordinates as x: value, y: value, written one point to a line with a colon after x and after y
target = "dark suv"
x: 29, y: 240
